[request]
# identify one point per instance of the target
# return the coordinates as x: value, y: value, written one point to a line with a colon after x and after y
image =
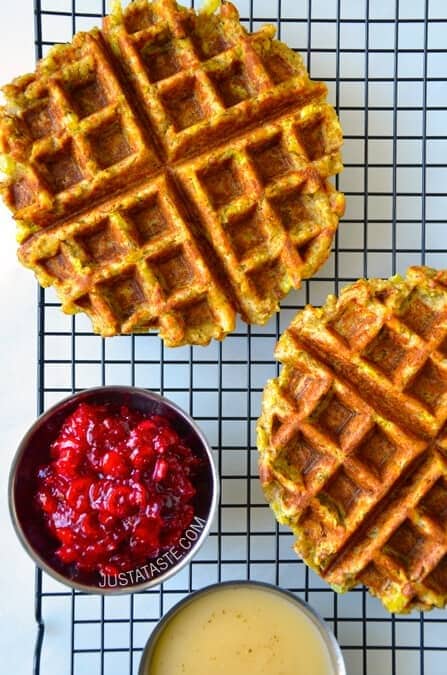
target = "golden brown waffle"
x: 170, y: 171
x: 353, y: 438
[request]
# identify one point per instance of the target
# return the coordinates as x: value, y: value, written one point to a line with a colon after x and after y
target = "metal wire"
x: 370, y: 53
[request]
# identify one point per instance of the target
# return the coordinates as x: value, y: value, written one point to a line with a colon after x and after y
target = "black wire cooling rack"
x: 385, y: 63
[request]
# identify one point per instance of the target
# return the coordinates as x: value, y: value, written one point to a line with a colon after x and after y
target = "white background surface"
x: 17, y: 375
x: 18, y: 315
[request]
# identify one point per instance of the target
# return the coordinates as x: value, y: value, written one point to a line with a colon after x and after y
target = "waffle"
x: 353, y: 438
x: 171, y: 171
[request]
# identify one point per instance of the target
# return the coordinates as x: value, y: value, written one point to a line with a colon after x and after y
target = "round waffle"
x: 170, y: 171
x: 353, y: 438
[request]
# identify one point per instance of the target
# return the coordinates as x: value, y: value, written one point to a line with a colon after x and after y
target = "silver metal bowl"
x: 332, y: 645
x: 34, y: 450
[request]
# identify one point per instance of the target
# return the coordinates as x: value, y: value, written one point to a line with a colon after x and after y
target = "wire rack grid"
x: 385, y: 63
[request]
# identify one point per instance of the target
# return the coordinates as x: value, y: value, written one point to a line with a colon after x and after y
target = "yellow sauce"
x: 240, y: 631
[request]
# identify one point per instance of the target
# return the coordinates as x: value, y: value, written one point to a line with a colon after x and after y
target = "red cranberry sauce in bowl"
x: 111, y: 488
x: 118, y: 489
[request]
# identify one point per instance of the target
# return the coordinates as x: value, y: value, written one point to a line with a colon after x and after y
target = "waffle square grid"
x: 231, y: 127
x: 352, y: 438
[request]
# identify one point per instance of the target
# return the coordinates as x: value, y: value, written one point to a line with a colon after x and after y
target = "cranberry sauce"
x: 118, y: 489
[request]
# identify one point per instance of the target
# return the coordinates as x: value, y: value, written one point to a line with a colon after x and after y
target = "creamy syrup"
x: 240, y: 631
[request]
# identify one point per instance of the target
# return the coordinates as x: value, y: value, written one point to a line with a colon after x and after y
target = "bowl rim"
x: 334, y: 649
x: 128, y: 588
